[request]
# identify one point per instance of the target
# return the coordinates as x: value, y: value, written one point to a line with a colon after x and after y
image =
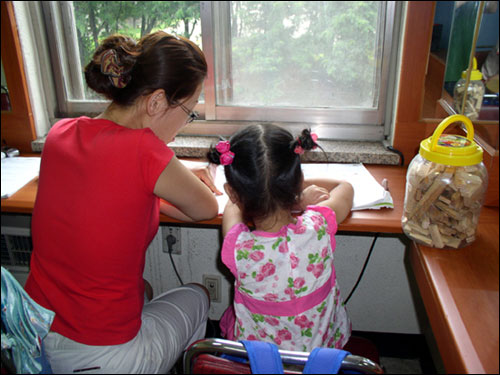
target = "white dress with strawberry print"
x: 286, y: 290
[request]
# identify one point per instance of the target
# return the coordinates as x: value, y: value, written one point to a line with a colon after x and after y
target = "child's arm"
x: 232, y: 216
x: 339, y: 198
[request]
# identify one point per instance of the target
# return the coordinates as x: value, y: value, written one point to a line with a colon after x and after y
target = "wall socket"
x: 213, y: 284
x: 174, y: 231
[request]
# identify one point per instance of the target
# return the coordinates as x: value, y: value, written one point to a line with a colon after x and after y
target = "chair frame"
x: 234, y: 348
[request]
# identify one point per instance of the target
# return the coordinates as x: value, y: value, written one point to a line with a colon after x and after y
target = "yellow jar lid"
x: 475, y: 75
x: 452, y: 149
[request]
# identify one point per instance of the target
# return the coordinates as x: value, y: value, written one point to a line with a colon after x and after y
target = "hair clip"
x: 226, y: 156
x: 314, y: 137
x: 298, y: 149
x: 112, y: 68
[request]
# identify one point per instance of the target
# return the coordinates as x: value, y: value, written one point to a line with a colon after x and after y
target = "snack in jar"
x: 475, y: 92
x: 445, y: 187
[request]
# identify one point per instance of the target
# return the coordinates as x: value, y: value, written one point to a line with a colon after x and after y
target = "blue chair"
x: 24, y: 325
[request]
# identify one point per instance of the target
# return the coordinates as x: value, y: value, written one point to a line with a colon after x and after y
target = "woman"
x: 98, y: 205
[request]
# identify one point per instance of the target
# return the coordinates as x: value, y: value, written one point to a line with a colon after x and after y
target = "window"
x: 322, y: 63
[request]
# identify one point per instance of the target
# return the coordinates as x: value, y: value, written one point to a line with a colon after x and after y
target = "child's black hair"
x: 265, y: 172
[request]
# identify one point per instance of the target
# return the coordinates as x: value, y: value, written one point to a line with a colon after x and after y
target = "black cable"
x: 170, y: 242
x: 364, y: 267
x: 401, y: 156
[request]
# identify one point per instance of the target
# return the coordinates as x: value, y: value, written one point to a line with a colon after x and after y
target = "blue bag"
x: 24, y: 324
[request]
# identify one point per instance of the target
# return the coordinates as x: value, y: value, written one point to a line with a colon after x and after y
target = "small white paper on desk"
x: 368, y: 193
x: 17, y: 172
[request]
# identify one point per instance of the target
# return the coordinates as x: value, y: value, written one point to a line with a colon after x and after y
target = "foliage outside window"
x: 95, y: 20
x: 319, y: 62
x: 304, y: 54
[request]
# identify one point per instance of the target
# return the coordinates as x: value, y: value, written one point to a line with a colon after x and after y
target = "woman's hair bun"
x: 124, y: 54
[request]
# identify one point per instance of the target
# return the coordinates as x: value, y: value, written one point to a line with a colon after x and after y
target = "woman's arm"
x: 190, y: 196
x: 205, y: 175
x: 339, y: 198
x: 173, y: 212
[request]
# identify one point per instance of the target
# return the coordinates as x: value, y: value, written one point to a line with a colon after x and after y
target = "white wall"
x: 383, y: 301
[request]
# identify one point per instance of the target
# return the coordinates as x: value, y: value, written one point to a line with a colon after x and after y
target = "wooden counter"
x: 385, y: 220
x: 460, y: 293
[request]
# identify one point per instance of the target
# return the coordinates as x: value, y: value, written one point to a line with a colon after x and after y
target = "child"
x: 285, y: 285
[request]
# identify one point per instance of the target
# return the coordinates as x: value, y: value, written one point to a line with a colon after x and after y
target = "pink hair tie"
x: 226, y: 156
x: 314, y: 137
x: 298, y: 150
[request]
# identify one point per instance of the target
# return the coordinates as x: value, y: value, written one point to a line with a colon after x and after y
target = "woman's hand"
x: 205, y: 175
x: 312, y: 195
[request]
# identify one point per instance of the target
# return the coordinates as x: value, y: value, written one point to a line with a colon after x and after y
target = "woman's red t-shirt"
x: 95, y: 215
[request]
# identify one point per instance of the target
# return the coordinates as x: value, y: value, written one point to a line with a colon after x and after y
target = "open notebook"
x: 17, y: 172
x: 368, y: 193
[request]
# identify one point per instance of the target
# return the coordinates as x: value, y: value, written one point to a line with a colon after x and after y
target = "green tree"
x: 276, y: 44
x: 97, y: 20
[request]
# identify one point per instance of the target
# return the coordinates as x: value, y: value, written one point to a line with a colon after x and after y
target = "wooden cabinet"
x: 18, y: 128
x: 410, y: 127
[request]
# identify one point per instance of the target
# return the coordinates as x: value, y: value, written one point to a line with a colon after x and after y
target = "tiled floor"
x: 393, y: 365
x: 402, y: 354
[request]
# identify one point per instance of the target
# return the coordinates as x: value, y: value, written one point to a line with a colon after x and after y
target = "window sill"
x: 337, y: 151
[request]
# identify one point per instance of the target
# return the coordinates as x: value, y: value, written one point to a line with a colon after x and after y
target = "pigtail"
x: 221, y: 154
x: 304, y: 142
x: 213, y: 155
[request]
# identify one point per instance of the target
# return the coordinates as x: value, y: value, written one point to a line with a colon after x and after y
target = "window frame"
x: 355, y: 124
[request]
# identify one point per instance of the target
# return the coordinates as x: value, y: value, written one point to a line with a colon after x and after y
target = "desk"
x: 459, y: 287
x: 384, y: 220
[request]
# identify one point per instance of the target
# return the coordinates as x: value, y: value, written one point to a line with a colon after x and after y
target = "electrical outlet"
x: 213, y: 284
x: 174, y: 231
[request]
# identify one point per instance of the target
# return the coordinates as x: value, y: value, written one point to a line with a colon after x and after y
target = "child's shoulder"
x: 237, y: 231
x: 314, y: 211
x: 317, y: 217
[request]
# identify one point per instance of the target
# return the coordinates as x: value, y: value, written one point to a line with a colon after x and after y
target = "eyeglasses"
x: 192, y: 115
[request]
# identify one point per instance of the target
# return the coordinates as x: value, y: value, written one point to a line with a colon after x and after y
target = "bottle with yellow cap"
x: 475, y: 93
x: 445, y: 187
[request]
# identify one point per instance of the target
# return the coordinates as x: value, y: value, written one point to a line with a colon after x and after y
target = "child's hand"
x: 312, y: 195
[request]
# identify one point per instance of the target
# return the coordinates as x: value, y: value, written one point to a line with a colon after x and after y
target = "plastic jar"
x: 445, y: 187
x: 475, y: 93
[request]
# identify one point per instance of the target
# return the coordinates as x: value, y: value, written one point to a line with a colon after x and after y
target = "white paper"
x: 17, y: 172
x: 368, y: 193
